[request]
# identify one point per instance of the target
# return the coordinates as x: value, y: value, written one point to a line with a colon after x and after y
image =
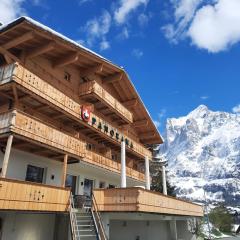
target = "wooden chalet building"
x: 75, y: 142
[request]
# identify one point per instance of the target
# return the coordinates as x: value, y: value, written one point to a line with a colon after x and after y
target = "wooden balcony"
x: 43, y: 93
x: 30, y: 129
x: 140, y: 200
x: 113, y: 165
x: 92, y: 91
x: 27, y: 196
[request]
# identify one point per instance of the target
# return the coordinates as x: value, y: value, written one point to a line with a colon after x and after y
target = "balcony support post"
x: 6, y: 156
x: 164, y: 180
x: 64, y: 170
x: 147, y: 173
x: 123, y: 165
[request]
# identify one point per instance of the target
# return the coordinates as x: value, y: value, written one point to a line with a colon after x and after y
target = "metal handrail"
x: 99, y: 223
x: 73, y: 218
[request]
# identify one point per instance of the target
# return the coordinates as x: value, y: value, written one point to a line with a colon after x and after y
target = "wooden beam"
x: 140, y: 123
x: 130, y: 103
x: 41, y: 107
x: 147, y: 135
x: 92, y: 70
x: 66, y: 60
x: 113, y: 78
x: 18, y: 40
x: 64, y: 170
x: 7, y: 59
x: 5, y: 95
x: 46, y: 47
x: 6, y: 156
x: 9, y: 54
x: 15, y: 94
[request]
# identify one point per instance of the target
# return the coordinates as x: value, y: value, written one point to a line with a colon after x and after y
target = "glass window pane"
x: 34, y: 174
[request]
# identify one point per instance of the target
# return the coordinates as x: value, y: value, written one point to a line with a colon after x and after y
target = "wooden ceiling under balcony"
x: 26, y: 39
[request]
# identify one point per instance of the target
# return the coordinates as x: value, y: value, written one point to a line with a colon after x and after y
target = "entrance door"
x: 71, y: 182
x: 88, y: 187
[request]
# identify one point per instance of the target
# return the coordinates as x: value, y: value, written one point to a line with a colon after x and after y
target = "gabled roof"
x: 129, y: 97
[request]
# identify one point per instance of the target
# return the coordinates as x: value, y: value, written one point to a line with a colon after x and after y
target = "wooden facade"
x: 46, y: 93
x: 27, y: 196
x: 46, y: 82
x: 30, y: 129
x: 140, y: 200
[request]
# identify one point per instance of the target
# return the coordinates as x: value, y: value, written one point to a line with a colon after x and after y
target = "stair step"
x: 85, y: 220
x: 85, y: 225
x: 91, y: 235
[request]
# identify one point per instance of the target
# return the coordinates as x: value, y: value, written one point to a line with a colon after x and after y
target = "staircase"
x: 85, y: 221
x: 85, y: 227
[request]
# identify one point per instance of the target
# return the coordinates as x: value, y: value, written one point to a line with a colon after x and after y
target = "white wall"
x: 145, y: 230
x: 18, y: 166
x: 20, y: 226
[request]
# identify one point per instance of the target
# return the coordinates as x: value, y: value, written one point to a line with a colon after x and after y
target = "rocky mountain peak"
x: 203, y: 150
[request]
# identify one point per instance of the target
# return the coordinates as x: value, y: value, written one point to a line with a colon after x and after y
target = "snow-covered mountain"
x: 203, y: 150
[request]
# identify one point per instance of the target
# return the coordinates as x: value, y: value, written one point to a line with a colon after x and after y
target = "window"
x: 67, y: 76
x: 34, y: 174
x: 89, y: 146
x: 111, y: 186
x: 114, y: 157
x: 102, y: 184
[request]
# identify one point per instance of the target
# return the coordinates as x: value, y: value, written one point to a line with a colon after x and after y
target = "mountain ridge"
x: 203, y: 151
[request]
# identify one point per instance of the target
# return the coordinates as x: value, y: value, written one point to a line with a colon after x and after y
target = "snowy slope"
x: 203, y: 150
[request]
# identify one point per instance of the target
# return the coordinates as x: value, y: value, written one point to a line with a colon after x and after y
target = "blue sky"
x: 178, y: 53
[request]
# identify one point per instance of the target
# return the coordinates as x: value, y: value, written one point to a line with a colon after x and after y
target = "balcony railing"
x: 20, y: 195
x: 95, y: 90
x: 113, y: 165
x: 40, y: 89
x: 141, y: 200
x: 32, y: 129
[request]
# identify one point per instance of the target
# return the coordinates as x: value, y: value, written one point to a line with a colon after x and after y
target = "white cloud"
x: 137, y: 53
x: 160, y: 117
x: 104, y: 44
x: 210, y: 24
x: 217, y: 27
x: 97, y: 29
x: 124, y: 34
x: 143, y: 19
x: 81, y: 2
x: 125, y: 8
x: 157, y: 123
x: 236, y: 109
x: 11, y: 9
x: 204, y: 97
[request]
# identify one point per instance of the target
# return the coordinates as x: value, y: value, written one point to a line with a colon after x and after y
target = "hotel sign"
x: 104, y: 127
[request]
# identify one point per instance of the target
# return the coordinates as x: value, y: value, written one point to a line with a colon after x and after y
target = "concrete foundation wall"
x: 139, y: 230
x: 21, y: 226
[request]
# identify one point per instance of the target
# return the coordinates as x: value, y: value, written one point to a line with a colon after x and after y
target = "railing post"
x: 123, y: 165
x: 64, y: 170
x: 6, y: 156
x: 147, y: 173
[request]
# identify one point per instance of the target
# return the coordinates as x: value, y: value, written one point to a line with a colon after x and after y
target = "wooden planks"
x: 93, y: 87
x: 38, y: 131
x: 111, y: 165
x: 20, y: 195
x: 33, y: 129
x: 141, y: 200
x: 56, y: 98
